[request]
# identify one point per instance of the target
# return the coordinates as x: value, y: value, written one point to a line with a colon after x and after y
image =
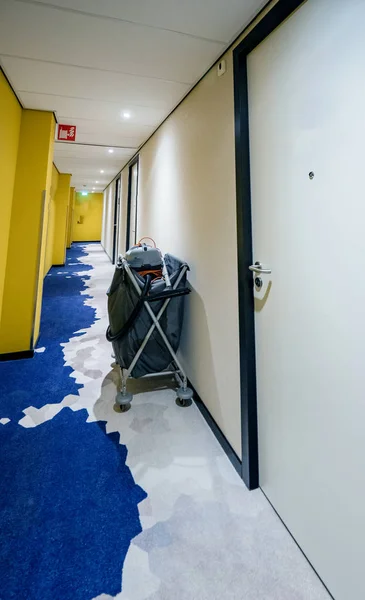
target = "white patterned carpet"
x: 204, y: 536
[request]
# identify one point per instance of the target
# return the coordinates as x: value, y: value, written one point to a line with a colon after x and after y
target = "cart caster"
x: 121, y: 408
x: 183, y: 403
x: 184, y: 397
x: 124, y: 399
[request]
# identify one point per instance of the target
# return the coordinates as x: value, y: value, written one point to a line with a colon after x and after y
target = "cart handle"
x: 146, y: 238
x: 168, y: 294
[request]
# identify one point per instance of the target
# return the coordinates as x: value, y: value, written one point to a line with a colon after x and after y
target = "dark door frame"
x: 250, y: 461
x: 135, y: 161
x: 116, y: 218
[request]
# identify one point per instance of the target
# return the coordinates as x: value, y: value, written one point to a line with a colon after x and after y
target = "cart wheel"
x: 183, y: 402
x: 121, y: 408
x: 184, y: 397
x: 125, y: 398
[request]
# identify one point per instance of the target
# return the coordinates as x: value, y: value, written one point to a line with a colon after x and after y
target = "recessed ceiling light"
x: 93, y: 188
x: 96, y: 182
x: 83, y: 193
x: 101, y: 170
x: 111, y: 150
x: 126, y: 115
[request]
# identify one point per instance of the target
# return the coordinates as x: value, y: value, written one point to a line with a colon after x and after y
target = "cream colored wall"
x: 108, y: 220
x: 187, y: 203
x: 123, y: 212
x: 104, y: 222
x: 108, y: 215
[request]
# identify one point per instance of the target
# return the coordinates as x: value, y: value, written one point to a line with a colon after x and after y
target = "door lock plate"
x: 258, y: 283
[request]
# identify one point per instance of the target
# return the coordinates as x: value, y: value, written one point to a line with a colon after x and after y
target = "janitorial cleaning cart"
x: 146, y: 309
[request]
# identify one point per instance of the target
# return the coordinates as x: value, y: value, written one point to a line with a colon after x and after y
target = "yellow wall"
x: 89, y: 210
x: 51, y: 220
x: 10, y: 118
x: 43, y: 236
x: 70, y: 217
x: 62, y: 200
x: 19, y: 326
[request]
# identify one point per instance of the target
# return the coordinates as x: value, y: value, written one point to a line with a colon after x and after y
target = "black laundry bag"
x: 123, y: 301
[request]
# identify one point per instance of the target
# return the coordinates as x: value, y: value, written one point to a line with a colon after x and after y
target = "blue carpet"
x: 68, y: 503
x: 44, y: 379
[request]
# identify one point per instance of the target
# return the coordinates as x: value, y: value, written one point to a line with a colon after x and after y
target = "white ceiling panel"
x: 105, y: 138
x: 94, y: 153
x: 86, y: 163
x: 141, y: 118
x: 88, y: 172
x: 218, y: 20
x: 66, y: 37
x: 80, y: 186
x: 90, y: 167
x: 92, y: 84
x: 96, y: 133
x: 98, y: 167
x: 89, y: 61
x: 82, y: 176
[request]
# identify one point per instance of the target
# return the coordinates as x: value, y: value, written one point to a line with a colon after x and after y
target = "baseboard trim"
x: 59, y: 265
x: 16, y: 355
x: 226, y: 446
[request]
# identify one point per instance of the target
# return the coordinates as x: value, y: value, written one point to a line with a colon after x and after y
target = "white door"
x: 133, y: 173
x: 307, y: 114
x: 117, y: 218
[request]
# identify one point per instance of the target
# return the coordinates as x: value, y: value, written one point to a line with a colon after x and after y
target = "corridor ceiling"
x: 113, y: 68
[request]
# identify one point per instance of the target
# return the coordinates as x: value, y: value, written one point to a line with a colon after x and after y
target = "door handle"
x: 257, y: 268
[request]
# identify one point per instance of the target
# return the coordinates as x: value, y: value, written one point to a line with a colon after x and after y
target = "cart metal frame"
x: 184, y: 393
